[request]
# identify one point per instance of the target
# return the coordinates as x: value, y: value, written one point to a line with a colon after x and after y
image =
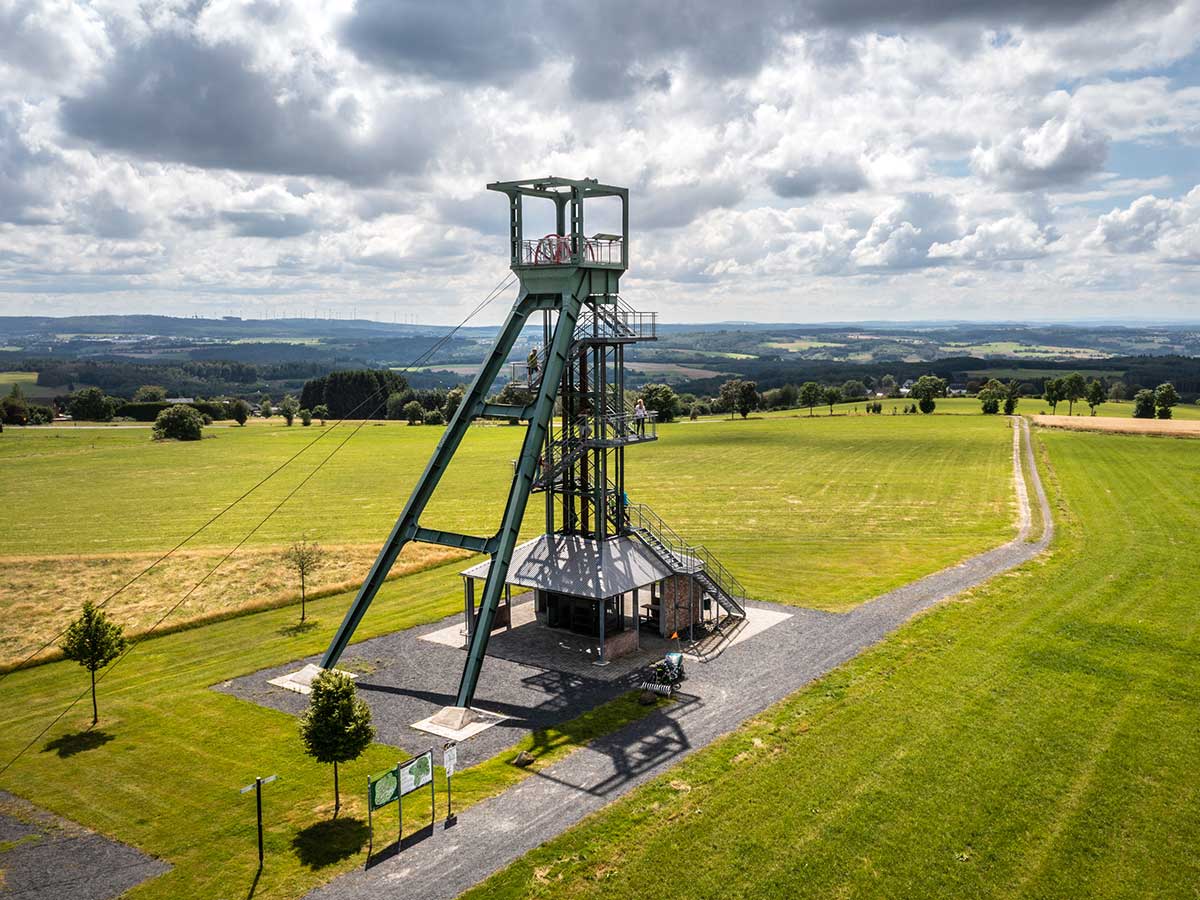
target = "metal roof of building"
x: 580, y: 566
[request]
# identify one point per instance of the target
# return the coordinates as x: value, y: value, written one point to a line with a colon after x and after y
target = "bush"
x: 179, y: 423
x: 414, y: 412
x: 240, y: 411
x: 1143, y: 404
x: 305, y: 417
x: 289, y: 407
x: 435, y: 417
x: 90, y: 405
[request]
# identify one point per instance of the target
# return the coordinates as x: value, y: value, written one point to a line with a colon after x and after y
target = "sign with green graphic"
x: 384, y: 789
x: 416, y: 773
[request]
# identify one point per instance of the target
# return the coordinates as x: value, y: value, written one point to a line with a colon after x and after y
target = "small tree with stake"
x: 304, y: 557
x: 337, y: 727
x: 93, y: 641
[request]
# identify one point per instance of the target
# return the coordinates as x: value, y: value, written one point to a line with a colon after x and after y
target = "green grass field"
x: 29, y: 386
x: 796, y: 508
x: 162, y: 769
x: 1038, y: 738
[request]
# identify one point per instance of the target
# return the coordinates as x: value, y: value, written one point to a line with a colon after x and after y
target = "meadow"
x: 793, y: 506
x: 1036, y: 737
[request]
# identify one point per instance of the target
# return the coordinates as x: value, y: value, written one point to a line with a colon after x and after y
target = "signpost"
x: 449, y: 763
x: 257, y: 788
x: 393, y: 785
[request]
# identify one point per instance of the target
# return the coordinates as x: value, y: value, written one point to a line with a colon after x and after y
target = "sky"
x: 836, y: 160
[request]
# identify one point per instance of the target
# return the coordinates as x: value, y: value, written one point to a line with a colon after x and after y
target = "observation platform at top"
x: 569, y: 245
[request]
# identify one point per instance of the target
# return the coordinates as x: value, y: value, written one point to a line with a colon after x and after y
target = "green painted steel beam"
x: 454, y: 539
x: 522, y: 483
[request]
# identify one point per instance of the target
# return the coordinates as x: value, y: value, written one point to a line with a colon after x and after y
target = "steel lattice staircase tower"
x: 575, y: 458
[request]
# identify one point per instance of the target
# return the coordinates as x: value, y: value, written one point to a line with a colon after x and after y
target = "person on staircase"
x: 639, y: 417
x: 533, y: 363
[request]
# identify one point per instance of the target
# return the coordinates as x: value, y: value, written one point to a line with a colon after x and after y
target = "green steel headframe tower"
x: 578, y: 461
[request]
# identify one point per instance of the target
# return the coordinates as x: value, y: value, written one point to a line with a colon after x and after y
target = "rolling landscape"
x: 503, y: 451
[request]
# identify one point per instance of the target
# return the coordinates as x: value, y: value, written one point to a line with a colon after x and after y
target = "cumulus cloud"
x: 1007, y: 239
x: 901, y: 236
x: 1060, y: 151
x: 1162, y: 226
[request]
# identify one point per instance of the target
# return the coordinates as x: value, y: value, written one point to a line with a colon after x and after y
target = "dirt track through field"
x: 718, y: 697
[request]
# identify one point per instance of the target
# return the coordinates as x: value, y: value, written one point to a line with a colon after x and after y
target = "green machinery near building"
x: 597, y: 544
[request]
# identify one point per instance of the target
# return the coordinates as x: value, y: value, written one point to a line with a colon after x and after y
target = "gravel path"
x: 719, y: 696
x: 47, y: 857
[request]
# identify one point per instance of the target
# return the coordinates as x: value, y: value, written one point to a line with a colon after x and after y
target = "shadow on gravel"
x: 80, y: 741
x: 328, y: 842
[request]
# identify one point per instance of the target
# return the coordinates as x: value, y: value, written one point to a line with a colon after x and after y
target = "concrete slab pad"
x: 300, y: 681
x: 756, y: 622
x: 482, y: 721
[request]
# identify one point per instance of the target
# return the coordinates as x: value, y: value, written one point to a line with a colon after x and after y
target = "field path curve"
x: 718, y: 697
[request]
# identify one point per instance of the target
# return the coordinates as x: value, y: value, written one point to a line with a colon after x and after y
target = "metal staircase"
x: 683, y: 558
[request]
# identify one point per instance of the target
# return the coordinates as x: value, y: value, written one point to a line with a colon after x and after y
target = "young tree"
x: 926, y: 389
x: 414, y: 412
x: 1117, y: 391
x: 93, y: 641
x: 179, y: 423
x: 321, y: 411
x: 1165, y: 396
x: 265, y: 407
x: 810, y: 395
x: 1053, y: 393
x: 728, y: 395
x: 1143, y: 404
x: 239, y: 410
x: 831, y: 397
x: 289, y: 407
x: 1012, y: 396
x: 991, y: 395
x: 1074, y: 390
x: 304, y: 557
x: 150, y: 393
x: 1095, y: 395
x: 337, y: 726
x: 661, y: 399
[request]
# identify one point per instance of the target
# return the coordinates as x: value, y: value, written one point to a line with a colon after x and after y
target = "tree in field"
x: 1117, y: 391
x: 1074, y: 390
x: 395, y: 405
x: 321, y: 411
x: 90, y: 405
x: 888, y: 385
x: 13, y: 409
x: 1165, y: 396
x: 93, y: 641
x: 740, y: 396
x: 150, y: 393
x: 435, y: 417
x: 991, y: 395
x: 179, y: 423
x: 831, y: 397
x: 788, y: 396
x: 1143, y: 404
x: 1053, y: 392
x: 1095, y: 395
x: 1012, y: 396
x: 454, y: 399
x: 264, y: 406
x: 289, y: 407
x: 927, y: 388
x: 854, y: 389
x: 304, y: 558
x: 414, y: 412
x: 337, y: 726
x: 661, y: 399
x: 239, y: 410
x: 810, y: 395
x: 306, y: 417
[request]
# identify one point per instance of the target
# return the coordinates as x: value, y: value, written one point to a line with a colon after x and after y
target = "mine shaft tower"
x: 574, y: 455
